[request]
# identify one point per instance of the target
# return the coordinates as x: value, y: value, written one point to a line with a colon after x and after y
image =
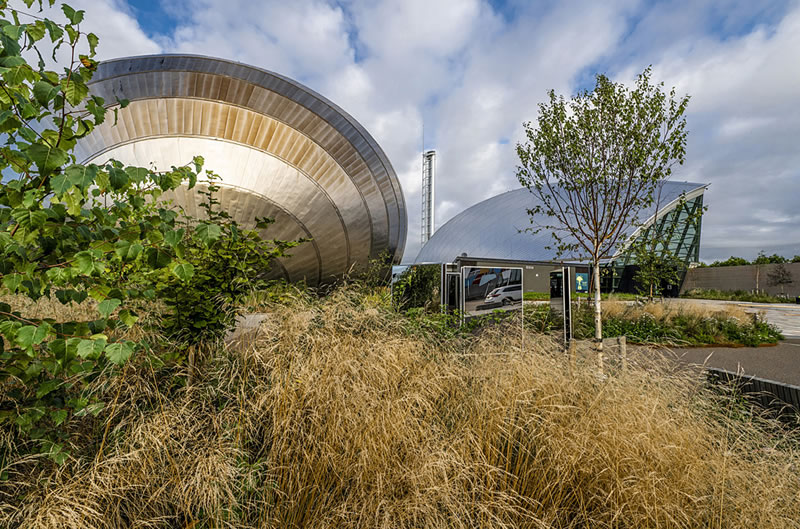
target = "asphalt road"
x: 780, y: 363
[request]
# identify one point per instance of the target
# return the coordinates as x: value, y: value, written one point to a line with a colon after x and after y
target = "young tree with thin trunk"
x: 780, y: 277
x: 593, y: 163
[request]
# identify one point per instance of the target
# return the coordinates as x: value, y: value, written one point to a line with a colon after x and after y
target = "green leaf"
x: 36, y: 31
x: 207, y: 233
x: 92, y: 409
x: 45, y: 157
x: 118, y: 178
x: 93, y: 40
x: 29, y: 219
x: 85, y: 348
x: 60, y: 184
x: 53, y: 29
x: 119, y: 352
x: 108, y: 306
x: 58, y: 416
x: 128, y: 318
x: 157, y: 258
x: 84, y: 262
x: 75, y: 90
x: 127, y: 251
x: 44, y: 92
x: 19, y: 74
x: 12, y: 31
x: 173, y: 237
x: 137, y: 174
x: 81, y: 175
x: 183, y: 271
x: 99, y: 292
x: 74, y: 17
x: 12, y: 282
x: 46, y: 387
x: 25, y: 336
x: 41, y: 333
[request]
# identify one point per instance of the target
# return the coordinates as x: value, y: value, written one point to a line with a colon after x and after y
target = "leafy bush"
x: 418, y: 287
x: 85, y: 231
x: 67, y: 230
x: 221, y: 263
x: 678, y: 326
x: 536, y: 296
x: 733, y: 295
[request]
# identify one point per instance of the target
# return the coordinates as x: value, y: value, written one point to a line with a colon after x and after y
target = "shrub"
x: 656, y: 323
x: 223, y: 263
x: 732, y: 295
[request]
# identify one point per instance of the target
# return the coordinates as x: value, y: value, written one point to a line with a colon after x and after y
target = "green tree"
x: 76, y: 231
x: 656, y: 269
x: 780, y: 277
x: 731, y: 261
x: 594, y: 163
x: 763, y: 259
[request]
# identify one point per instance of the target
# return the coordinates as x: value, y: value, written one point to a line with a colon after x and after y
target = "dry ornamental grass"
x: 339, y: 414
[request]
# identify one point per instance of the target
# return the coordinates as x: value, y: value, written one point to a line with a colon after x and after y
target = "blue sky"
x: 471, y: 71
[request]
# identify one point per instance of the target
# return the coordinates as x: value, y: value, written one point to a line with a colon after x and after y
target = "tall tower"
x: 428, y: 184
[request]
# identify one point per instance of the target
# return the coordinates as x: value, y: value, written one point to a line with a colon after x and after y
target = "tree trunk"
x: 758, y: 272
x: 598, y: 319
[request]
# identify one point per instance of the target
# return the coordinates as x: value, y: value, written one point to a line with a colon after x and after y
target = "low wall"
x: 748, y: 278
x: 783, y: 399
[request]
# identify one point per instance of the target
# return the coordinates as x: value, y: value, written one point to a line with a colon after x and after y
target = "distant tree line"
x: 762, y: 259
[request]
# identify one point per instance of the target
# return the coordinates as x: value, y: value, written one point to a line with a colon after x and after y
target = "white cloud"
x: 111, y: 20
x: 744, y: 121
x: 472, y: 75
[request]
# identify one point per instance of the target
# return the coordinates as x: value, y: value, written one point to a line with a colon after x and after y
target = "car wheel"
x: 506, y: 301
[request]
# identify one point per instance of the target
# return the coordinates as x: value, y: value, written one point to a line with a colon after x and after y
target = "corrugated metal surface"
x: 493, y: 228
x: 281, y: 149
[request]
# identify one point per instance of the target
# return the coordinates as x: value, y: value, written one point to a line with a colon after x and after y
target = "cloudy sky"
x: 471, y: 71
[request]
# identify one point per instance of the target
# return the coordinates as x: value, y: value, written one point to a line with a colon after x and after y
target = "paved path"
x: 780, y: 363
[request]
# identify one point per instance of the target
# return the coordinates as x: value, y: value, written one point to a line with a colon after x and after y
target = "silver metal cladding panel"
x: 494, y: 228
x: 302, y: 158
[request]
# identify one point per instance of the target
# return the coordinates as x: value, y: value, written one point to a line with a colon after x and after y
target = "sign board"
x: 581, y: 282
x: 486, y: 289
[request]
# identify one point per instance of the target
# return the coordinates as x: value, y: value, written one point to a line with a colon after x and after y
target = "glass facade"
x: 675, y: 232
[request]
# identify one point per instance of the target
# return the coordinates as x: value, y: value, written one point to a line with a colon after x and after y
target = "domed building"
x: 492, y: 233
x: 282, y: 151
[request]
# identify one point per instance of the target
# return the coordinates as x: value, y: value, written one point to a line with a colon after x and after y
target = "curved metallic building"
x: 493, y: 228
x: 283, y: 151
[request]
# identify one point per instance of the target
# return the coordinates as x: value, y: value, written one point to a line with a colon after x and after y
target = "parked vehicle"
x: 505, y: 295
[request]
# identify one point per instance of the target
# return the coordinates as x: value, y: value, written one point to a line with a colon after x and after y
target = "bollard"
x: 622, y: 341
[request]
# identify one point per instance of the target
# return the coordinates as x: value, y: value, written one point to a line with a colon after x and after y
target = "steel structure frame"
x: 677, y: 229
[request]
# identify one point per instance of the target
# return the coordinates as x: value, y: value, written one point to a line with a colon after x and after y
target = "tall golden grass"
x: 669, y: 310
x: 338, y: 413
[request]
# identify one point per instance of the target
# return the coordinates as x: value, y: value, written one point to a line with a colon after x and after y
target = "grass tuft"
x: 339, y: 413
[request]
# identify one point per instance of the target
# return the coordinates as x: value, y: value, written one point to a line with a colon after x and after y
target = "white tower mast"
x: 428, y: 185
